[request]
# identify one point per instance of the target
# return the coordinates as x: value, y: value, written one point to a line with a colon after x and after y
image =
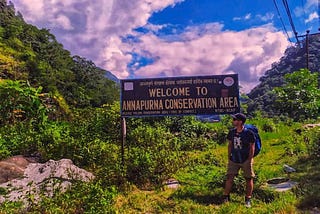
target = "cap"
x: 239, y: 116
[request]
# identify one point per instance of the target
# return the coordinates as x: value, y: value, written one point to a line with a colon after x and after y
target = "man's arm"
x: 230, y: 139
x: 229, y: 149
x: 251, y: 153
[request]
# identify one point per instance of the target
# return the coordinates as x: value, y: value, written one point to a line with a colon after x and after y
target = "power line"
x: 319, y: 13
x: 286, y: 6
x: 279, y: 15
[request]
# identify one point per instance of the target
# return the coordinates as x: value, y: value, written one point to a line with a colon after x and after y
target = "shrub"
x: 268, y: 127
x: 312, y: 138
x: 19, y: 139
x: 294, y: 145
x: 4, y: 151
x: 153, y: 156
x: 20, y: 102
x: 81, y: 198
x: 220, y: 135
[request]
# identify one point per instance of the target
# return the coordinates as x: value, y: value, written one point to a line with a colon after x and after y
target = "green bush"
x: 153, y: 156
x: 294, y: 145
x: 219, y: 135
x: 268, y: 127
x: 20, y: 102
x: 102, y: 123
x: 81, y: 198
x: 19, y: 139
x: 4, y: 151
x: 312, y: 139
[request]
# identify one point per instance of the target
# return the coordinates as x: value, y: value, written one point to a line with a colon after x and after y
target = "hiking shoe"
x: 247, y: 202
x: 226, y: 199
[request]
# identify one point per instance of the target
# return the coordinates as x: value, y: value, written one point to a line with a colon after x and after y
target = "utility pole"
x: 307, y: 42
x: 307, y: 48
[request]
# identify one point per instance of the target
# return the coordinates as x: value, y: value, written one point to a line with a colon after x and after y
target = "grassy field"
x: 202, y: 179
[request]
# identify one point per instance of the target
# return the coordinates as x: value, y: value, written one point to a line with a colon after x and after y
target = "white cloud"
x: 259, y: 17
x: 154, y: 28
x: 90, y: 28
x: 266, y: 17
x: 249, y: 53
x: 311, y: 3
x: 237, y: 18
x: 95, y: 29
x: 246, y: 17
x: 309, y: 7
x: 312, y: 17
x: 64, y: 22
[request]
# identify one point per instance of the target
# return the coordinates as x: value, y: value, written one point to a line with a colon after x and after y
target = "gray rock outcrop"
x: 20, y: 177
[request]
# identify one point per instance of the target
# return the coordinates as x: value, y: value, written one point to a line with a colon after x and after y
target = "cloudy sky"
x: 157, y: 38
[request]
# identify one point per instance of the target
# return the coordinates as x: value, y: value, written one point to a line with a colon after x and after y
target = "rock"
x: 12, y: 168
x: 311, y: 126
x: 172, y: 183
x: 38, y: 178
x: 315, y: 210
x: 288, y: 169
x: 281, y: 184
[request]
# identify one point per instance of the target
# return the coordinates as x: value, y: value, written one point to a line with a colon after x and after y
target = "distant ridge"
x: 294, y: 59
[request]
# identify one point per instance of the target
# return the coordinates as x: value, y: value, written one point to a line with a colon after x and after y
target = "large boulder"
x: 20, y: 177
x: 12, y: 168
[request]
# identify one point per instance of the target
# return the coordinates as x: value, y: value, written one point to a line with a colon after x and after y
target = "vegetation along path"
x: 203, y: 175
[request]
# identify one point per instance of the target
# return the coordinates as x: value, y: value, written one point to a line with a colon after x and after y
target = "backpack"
x: 258, y: 143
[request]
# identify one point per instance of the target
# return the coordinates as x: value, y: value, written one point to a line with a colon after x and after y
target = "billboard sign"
x: 200, y: 95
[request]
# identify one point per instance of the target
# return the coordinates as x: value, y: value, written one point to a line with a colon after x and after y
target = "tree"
x: 92, y: 87
x: 20, y: 102
x: 294, y: 59
x: 35, y: 56
x: 299, y: 98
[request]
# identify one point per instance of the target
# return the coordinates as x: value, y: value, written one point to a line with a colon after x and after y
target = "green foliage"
x: 20, y: 139
x: 312, y: 139
x: 57, y: 106
x: 27, y: 53
x: 20, y: 102
x: 308, y: 190
x: 82, y: 198
x: 193, y: 135
x: 299, y: 98
x: 92, y: 88
x: 102, y: 123
x: 262, y: 96
x: 153, y: 156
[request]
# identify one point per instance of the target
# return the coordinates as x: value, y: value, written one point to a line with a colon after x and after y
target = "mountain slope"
x: 34, y: 55
x: 262, y: 97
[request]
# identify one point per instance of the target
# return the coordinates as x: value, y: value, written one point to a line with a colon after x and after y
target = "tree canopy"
x: 299, y: 98
x: 262, y: 96
x: 35, y: 56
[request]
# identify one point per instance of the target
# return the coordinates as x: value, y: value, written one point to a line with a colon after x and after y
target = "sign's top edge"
x: 199, y: 76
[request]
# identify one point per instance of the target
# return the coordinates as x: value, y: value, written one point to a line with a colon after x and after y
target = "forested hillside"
x: 35, y: 56
x: 57, y: 106
x: 263, y: 96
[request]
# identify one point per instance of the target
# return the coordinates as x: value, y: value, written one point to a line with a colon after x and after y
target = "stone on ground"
x: 20, y: 176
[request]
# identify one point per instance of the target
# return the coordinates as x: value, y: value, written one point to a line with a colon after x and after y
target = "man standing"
x: 240, y: 155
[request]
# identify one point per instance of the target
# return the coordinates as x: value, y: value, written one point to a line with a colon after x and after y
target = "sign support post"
x: 123, y: 139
